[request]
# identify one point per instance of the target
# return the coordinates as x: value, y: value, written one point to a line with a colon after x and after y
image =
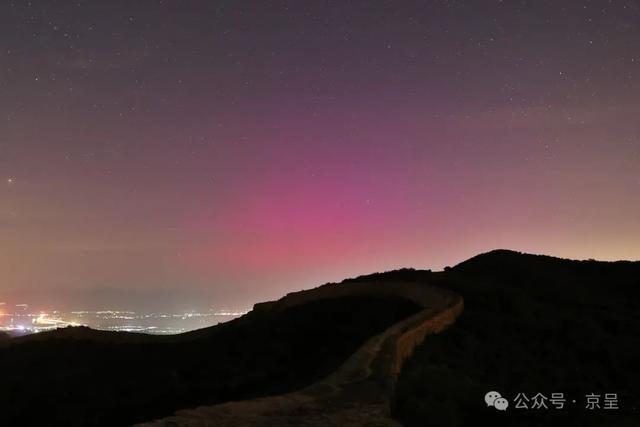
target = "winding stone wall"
x: 356, y: 394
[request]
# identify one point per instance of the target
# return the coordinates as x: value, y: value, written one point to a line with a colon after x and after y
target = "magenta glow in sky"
x: 233, y: 151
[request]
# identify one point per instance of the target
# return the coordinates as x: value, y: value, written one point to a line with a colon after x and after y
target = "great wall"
x: 360, y: 392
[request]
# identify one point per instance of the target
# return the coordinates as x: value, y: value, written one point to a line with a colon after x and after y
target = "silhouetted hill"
x: 360, y: 391
x: 400, y: 275
x: 531, y: 324
x: 503, y: 262
x: 82, y: 377
x: 79, y: 333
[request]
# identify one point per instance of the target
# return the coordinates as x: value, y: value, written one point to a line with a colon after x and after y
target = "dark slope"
x: 85, y: 378
x: 531, y: 324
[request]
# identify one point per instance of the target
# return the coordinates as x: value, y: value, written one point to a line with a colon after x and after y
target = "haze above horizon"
x: 239, y: 151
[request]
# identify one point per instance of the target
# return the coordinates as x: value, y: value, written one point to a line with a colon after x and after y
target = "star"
x: 10, y: 180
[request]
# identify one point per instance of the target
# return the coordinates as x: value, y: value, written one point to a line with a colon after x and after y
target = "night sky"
x: 232, y: 151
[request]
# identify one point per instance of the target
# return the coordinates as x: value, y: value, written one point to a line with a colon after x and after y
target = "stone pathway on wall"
x: 358, y: 393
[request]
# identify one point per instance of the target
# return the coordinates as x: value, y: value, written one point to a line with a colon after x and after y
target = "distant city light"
x: 112, y: 320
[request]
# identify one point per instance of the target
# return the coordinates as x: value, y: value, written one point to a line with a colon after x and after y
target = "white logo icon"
x: 495, y: 399
x: 501, y: 404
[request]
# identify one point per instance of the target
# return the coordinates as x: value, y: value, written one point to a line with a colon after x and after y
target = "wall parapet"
x: 360, y: 391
